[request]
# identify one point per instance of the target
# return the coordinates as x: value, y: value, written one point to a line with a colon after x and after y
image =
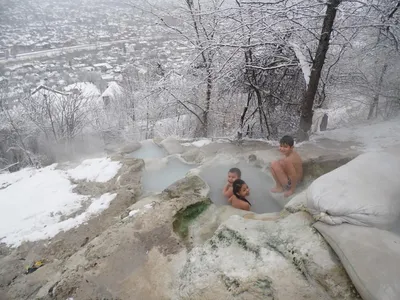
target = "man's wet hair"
x: 236, y: 171
x: 287, y: 140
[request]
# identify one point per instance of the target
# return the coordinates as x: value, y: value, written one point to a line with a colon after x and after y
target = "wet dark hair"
x: 287, y: 140
x: 236, y: 186
x: 236, y: 171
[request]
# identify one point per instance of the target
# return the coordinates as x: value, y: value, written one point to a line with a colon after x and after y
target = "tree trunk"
x: 245, y: 109
x: 207, y: 60
x: 208, y: 100
x: 374, y: 103
x: 47, y: 103
x: 318, y: 63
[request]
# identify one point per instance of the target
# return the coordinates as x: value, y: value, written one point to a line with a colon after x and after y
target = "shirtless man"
x: 288, y: 171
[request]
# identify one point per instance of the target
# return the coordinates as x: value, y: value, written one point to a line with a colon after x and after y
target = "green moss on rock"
x: 186, y: 216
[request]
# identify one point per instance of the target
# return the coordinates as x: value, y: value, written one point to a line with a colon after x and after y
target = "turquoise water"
x: 156, y: 180
x: 163, y: 171
x: 259, y: 183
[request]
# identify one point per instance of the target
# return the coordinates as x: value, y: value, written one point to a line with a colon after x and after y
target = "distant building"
x: 113, y: 91
x: 86, y: 89
x: 103, y: 67
x: 49, y: 97
x: 108, y: 77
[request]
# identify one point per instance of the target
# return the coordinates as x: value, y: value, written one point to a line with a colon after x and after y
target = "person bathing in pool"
x: 233, y: 174
x: 240, y: 192
x: 288, y: 171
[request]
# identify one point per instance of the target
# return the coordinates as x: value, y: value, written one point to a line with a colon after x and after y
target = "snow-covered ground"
x: 96, y: 169
x: 371, y: 137
x: 35, y: 202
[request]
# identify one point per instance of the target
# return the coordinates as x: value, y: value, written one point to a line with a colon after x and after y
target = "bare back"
x: 240, y: 204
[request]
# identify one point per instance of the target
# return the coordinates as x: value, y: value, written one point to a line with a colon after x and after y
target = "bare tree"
x: 199, y: 27
x: 318, y: 63
x: 5, y: 110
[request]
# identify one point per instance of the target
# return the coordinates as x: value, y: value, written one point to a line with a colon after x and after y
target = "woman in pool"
x: 240, y: 192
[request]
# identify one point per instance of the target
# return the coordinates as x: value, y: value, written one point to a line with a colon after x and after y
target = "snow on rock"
x: 198, y: 144
x: 96, y: 169
x: 52, y: 225
x: 36, y: 203
x: 133, y: 212
x: 99, y: 204
x: 201, y: 143
x: 373, y: 136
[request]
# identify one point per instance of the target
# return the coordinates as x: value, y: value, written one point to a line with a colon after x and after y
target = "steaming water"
x: 161, y: 171
x: 157, y: 179
x: 148, y: 150
x: 258, y: 181
x: 396, y: 228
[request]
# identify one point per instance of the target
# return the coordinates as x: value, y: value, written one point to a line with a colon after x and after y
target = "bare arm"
x: 227, y: 191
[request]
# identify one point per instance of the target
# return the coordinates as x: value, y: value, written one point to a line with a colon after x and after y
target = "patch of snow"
x: 148, y: 206
x: 7, y: 179
x: 372, y: 136
x: 97, y: 169
x: 99, y: 204
x: 35, y: 201
x: 51, y: 229
x: 304, y: 64
x: 201, y: 143
x: 133, y: 212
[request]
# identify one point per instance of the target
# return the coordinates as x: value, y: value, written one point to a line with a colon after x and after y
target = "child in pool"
x: 240, y: 192
x: 288, y: 171
x: 233, y: 174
